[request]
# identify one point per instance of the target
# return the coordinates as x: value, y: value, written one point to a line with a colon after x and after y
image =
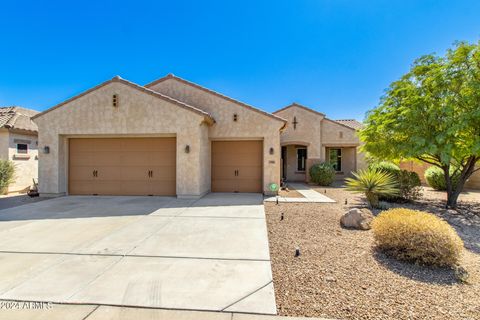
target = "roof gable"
x: 297, y: 105
x: 194, y: 85
x: 208, y: 118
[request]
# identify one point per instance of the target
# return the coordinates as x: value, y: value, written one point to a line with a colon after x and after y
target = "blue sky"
x: 334, y: 56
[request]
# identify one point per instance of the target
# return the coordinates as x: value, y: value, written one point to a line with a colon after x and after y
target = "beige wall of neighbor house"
x: 137, y: 115
x: 26, y: 165
x: 249, y: 125
x: 421, y: 167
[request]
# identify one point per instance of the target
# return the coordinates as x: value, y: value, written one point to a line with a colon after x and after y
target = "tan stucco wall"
x: 26, y: 166
x: 138, y: 114
x: 4, y: 144
x: 251, y: 125
x: 337, y: 134
x: 307, y: 130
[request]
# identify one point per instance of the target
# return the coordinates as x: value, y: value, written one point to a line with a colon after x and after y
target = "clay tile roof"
x: 215, y: 93
x: 17, y: 118
x: 352, y: 123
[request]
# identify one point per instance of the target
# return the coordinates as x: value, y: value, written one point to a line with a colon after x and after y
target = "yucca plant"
x: 373, y: 183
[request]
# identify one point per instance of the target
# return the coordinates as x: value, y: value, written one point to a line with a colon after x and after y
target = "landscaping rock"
x: 357, y: 218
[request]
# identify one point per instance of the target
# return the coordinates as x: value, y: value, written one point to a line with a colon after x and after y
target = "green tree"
x: 432, y: 114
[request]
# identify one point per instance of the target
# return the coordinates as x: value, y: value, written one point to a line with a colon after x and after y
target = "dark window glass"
x: 301, y: 159
x: 336, y: 159
x: 22, y: 148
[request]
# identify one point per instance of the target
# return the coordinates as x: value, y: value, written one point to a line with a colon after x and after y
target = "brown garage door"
x: 122, y: 166
x: 237, y: 166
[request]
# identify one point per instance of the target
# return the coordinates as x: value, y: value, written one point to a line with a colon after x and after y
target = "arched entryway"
x: 294, y: 161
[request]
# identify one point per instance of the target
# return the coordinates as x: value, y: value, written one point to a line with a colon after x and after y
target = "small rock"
x: 357, y: 218
x: 330, y: 279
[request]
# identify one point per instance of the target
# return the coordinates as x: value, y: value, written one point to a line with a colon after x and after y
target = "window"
x: 301, y: 159
x: 22, y: 148
x: 336, y: 159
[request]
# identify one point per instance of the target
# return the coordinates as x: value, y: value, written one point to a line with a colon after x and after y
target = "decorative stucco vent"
x: 115, y: 100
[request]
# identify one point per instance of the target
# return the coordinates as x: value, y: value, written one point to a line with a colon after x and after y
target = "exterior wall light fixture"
x: 46, y: 149
x: 187, y: 149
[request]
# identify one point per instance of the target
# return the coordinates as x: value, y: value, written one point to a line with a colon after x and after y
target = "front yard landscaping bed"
x: 339, y: 274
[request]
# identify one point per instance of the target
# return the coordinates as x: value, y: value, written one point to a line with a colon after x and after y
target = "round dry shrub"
x: 322, y: 173
x: 417, y: 236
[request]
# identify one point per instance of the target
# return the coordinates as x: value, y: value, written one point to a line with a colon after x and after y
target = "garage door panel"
x: 135, y: 158
x: 139, y: 173
x: 82, y: 173
x: 82, y: 187
x: 249, y: 172
x: 224, y: 185
x: 225, y: 172
x: 162, y: 188
x: 107, y: 187
x: 122, y: 166
x: 135, y: 188
x: 82, y: 159
x: 237, y: 166
x: 165, y: 173
x: 162, y: 158
x: 106, y: 144
x: 106, y: 158
x: 251, y: 159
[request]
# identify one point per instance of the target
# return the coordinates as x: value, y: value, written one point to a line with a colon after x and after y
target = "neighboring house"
x: 312, y: 138
x: 19, y: 144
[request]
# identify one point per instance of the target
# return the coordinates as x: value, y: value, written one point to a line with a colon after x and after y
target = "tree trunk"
x: 453, y: 191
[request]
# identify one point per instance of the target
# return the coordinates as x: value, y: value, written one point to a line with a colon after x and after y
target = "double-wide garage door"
x: 122, y: 166
x: 237, y: 166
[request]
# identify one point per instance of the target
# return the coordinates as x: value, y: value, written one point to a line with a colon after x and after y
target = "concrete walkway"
x: 160, y: 252
x: 310, y: 195
x: 10, y: 311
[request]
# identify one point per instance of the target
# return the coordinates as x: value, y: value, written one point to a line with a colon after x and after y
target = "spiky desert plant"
x: 373, y: 183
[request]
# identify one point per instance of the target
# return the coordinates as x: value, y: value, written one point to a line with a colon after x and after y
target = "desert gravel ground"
x: 340, y: 275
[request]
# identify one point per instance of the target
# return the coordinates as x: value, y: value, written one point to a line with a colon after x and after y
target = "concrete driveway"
x: 207, y: 254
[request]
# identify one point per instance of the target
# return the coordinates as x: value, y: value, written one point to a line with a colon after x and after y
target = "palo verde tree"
x: 432, y: 114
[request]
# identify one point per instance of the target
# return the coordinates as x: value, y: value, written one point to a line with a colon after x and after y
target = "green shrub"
x: 417, y: 236
x: 322, y: 173
x: 7, y: 170
x: 373, y: 184
x: 385, y: 166
x: 436, y: 178
x: 409, y: 183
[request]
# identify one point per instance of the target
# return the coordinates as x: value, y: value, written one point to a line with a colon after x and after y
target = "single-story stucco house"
x: 19, y: 144
x: 311, y: 137
x: 174, y: 137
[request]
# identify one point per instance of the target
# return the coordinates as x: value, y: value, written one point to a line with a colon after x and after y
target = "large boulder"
x: 357, y: 218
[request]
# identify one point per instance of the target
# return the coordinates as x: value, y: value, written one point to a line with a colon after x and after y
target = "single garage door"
x: 122, y: 166
x: 237, y: 166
